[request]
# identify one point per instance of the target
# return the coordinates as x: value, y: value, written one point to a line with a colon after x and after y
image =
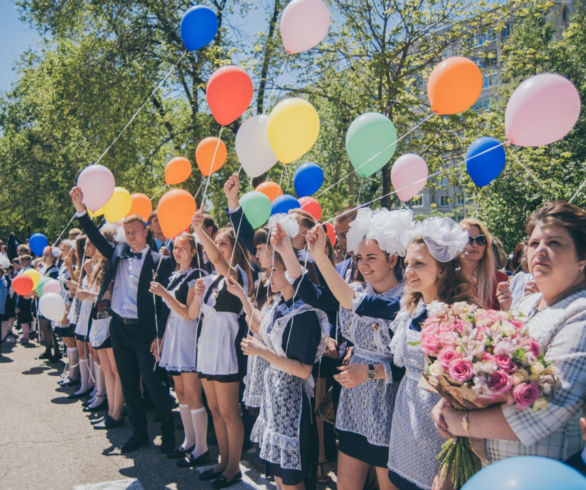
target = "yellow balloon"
x: 99, y: 212
x: 34, y: 275
x: 293, y: 129
x: 118, y: 206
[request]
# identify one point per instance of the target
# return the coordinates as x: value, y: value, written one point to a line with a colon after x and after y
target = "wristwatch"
x: 371, y: 372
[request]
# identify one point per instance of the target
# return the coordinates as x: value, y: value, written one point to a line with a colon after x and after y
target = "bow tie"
x: 132, y: 254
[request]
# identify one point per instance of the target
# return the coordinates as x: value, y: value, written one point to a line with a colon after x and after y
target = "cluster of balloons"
x: 51, y: 304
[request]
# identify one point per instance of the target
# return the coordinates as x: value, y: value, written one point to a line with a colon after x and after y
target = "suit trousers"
x: 133, y: 362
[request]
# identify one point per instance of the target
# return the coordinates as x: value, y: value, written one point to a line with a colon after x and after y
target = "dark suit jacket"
x: 146, y: 330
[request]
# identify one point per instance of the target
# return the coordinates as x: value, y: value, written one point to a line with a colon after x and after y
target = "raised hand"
x: 503, y: 295
x: 200, y: 288
x: 280, y: 240
x: 197, y: 221
x: 231, y: 189
x: 251, y: 346
x: 234, y: 287
x: 77, y: 198
x: 316, y: 240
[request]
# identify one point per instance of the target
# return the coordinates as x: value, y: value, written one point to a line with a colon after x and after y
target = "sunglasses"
x: 480, y: 240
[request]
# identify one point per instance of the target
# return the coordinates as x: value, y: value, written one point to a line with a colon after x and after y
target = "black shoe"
x: 190, y: 462
x: 102, y: 406
x: 180, y: 453
x: 134, y: 443
x: 98, y: 420
x: 55, y: 358
x: 109, y: 423
x: 44, y: 355
x: 81, y: 395
x: 223, y: 482
x: 167, y: 443
x: 209, y: 474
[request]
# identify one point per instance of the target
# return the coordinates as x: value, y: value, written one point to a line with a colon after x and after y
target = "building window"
x: 444, y: 201
x: 417, y: 201
x: 460, y: 199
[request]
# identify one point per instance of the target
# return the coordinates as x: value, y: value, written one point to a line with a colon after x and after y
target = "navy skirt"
x: 358, y: 447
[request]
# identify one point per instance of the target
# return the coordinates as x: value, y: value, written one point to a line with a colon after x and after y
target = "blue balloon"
x: 284, y: 203
x: 198, y: 27
x: 308, y: 179
x: 485, y: 168
x: 37, y: 243
x: 526, y: 473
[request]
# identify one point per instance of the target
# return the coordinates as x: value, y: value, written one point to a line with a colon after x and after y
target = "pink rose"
x: 525, y: 394
x: 532, y: 346
x: 448, y: 338
x: 518, y: 324
x: 446, y: 356
x: 505, y: 363
x: 430, y: 343
x: 499, y: 382
x: 461, y: 370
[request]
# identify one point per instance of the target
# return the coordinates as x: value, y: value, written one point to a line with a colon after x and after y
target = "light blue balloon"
x: 527, y: 473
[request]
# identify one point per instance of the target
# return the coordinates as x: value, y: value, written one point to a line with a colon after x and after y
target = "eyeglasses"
x: 480, y: 240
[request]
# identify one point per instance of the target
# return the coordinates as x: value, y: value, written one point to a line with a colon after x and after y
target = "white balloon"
x: 253, y: 148
x: 52, y: 306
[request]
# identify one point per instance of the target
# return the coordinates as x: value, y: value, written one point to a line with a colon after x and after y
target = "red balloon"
x: 310, y: 205
x: 331, y: 233
x: 229, y: 93
x: 22, y: 284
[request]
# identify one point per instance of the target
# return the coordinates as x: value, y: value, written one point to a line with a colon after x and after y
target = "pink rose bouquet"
x: 478, y: 358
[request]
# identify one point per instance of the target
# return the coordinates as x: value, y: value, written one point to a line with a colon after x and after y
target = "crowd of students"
x: 278, y: 333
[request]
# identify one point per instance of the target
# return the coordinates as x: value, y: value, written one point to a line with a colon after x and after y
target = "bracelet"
x: 465, y: 423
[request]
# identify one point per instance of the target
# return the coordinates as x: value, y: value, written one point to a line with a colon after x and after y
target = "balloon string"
x: 198, y: 189
x: 205, y: 190
x: 159, y: 191
x: 578, y: 191
x: 159, y: 85
x: 424, y: 179
x: 394, y: 143
x: 63, y: 231
x: 275, y: 80
x: 360, y: 190
x: 156, y: 315
x: 531, y: 174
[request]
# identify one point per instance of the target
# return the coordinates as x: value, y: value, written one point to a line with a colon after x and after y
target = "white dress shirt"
x: 126, y: 285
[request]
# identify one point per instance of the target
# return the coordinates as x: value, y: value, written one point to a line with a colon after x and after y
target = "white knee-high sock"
x: 84, y: 372
x: 187, y: 427
x: 73, y: 359
x: 199, y: 419
x: 100, y: 380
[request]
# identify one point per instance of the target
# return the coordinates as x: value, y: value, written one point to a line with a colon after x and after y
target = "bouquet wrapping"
x: 477, y: 358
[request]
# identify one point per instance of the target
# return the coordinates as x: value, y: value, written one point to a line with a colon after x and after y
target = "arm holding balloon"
x: 88, y: 226
x: 316, y: 240
x: 176, y: 305
x: 281, y: 243
x: 211, y: 249
x: 236, y: 214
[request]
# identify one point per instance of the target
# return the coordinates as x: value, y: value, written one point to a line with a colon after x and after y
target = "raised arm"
x: 316, y: 240
x: 88, y: 226
x: 211, y: 249
x: 242, y: 227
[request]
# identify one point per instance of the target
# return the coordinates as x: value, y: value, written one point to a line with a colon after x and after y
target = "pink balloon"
x: 409, y: 175
x: 52, y: 286
x: 543, y: 109
x: 97, y: 184
x: 304, y: 24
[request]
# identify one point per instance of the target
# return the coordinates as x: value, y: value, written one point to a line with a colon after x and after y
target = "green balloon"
x: 256, y: 207
x: 370, y: 142
x: 42, y: 282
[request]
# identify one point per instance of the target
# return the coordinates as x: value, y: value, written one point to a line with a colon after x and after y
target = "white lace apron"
x: 277, y: 428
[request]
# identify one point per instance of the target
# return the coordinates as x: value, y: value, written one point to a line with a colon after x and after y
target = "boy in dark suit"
x: 138, y: 319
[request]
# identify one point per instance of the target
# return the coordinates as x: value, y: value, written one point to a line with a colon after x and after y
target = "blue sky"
x: 15, y: 37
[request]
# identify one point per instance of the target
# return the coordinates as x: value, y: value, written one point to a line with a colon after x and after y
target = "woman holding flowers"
x: 556, y: 318
x: 431, y: 275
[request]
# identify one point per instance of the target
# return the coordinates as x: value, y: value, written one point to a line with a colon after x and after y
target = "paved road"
x: 47, y: 442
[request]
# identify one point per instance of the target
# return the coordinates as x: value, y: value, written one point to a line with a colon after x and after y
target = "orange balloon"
x: 454, y: 85
x: 175, y: 210
x: 177, y: 170
x: 204, y: 155
x: 270, y: 189
x: 141, y: 205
